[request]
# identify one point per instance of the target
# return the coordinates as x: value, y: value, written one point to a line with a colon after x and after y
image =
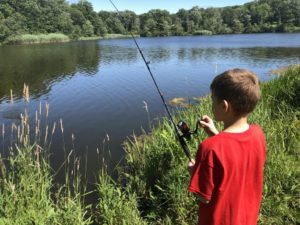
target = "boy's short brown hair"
x: 239, y: 87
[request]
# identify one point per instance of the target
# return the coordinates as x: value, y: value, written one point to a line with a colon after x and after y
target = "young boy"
x: 227, y: 176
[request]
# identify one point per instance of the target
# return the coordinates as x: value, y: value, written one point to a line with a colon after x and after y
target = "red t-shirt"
x: 229, y: 173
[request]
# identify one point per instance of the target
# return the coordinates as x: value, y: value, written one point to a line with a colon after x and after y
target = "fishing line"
x: 179, y: 136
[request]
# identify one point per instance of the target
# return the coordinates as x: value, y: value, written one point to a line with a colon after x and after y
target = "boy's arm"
x: 191, y: 168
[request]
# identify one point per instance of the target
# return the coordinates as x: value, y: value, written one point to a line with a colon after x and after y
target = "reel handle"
x: 185, y: 130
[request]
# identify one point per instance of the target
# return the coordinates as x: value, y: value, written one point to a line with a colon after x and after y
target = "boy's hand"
x: 208, y: 125
x: 191, y: 167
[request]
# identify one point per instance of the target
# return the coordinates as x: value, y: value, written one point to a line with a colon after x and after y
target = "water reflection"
x: 113, y: 54
x: 40, y: 65
x: 245, y: 54
x: 158, y: 54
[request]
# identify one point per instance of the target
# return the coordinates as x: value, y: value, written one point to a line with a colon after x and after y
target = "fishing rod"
x: 182, y: 126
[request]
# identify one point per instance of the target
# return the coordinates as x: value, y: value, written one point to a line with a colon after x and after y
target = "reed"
x: 38, y: 38
x: 116, y: 205
x: 28, y: 194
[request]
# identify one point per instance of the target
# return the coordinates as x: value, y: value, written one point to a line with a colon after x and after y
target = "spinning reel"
x: 185, y: 130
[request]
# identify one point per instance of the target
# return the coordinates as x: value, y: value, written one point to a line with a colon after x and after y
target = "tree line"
x: 81, y: 20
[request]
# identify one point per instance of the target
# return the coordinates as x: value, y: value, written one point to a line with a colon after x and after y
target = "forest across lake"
x: 34, y: 21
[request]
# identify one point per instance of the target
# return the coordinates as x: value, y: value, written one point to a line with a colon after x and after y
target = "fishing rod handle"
x: 185, y: 147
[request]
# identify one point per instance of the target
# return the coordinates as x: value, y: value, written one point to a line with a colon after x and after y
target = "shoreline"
x: 28, y: 39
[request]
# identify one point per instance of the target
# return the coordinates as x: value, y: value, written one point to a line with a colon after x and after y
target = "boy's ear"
x: 225, y: 105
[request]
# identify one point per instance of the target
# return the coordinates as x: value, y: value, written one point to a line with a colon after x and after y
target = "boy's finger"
x: 203, y: 123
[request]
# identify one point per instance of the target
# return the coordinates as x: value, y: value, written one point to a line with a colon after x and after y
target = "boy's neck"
x: 236, y: 125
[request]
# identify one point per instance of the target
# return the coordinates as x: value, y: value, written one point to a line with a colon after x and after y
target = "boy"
x: 227, y: 176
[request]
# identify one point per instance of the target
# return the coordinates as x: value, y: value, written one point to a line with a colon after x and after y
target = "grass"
x: 28, y: 194
x: 152, y: 186
x: 107, y: 36
x: 56, y: 38
x: 38, y: 38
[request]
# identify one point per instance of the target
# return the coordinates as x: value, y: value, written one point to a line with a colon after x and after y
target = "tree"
x: 213, y: 20
x: 183, y: 15
x: 177, y: 28
x: 4, y: 31
x: 149, y: 28
x: 88, y: 29
x: 195, y: 15
x: 114, y: 25
x: 130, y: 21
x: 296, y: 11
x: 162, y: 20
x: 77, y: 17
x: 260, y: 13
x: 99, y: 26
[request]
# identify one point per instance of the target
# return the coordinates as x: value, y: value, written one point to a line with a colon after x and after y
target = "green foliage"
x: 282, y: 125
x: 26, y: 195
x: 282, y: 99
x: 78, y: 20
x: 115, y: 205
x: 27, y: 191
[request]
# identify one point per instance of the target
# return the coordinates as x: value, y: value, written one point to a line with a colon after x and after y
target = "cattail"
x: 19, y: 133
x: 37, y: 128
x: 11, y: 97
x: 25, y: 116
x: 68, y: 158
x: 26, y: 93
x: 36, y: 117
x: 78, y: 165
x: 46, y: 134
x: 40, y: 108
x: 3, y: 130
x: 24, y: 90
x: 61, y: 125
x: 216, y: 67
x: 13, y: 127
x: 53, y: 128
x: 145, y: 106
x: 22, y: 118
x: 47, y: 109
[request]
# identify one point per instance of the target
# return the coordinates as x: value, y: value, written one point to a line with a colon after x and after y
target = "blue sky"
x: 142, y: 6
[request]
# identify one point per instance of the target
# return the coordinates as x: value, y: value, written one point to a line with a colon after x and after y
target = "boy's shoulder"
x: 219, y: 139
x: 226, y: 143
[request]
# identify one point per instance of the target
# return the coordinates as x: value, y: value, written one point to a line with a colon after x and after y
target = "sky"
x: 142, y: 6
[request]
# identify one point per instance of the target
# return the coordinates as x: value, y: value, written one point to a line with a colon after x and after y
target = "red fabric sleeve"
x: 202, y: 179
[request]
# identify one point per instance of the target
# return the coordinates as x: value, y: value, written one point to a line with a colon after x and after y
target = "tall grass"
x: 28, y: 194
x: 38, y: 38
x: 116, y: 205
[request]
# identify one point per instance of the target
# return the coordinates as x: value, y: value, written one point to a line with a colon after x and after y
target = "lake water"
x: 98, y: 88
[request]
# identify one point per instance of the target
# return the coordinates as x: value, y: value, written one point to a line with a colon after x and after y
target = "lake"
x: 99, y: 88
